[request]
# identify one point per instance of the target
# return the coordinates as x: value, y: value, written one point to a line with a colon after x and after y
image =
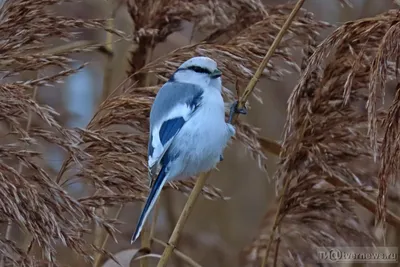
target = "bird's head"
x: 200, y: 71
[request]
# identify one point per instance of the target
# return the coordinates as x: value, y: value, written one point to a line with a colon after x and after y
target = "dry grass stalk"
x: 172, y: 242
x: 103, y: 245
x: 180, y: 255
x: 100, y: 239
x: 146, y: 236
x: 330, y: 137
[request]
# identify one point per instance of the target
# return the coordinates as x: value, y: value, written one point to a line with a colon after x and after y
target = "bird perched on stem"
x: 188, y: 132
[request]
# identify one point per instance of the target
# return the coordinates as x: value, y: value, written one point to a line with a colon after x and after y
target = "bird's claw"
x: 235, y: 109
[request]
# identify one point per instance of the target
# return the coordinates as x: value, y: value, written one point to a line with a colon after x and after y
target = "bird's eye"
x: 199, y: 69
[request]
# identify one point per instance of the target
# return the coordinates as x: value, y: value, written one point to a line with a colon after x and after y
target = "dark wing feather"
x: 169, y: 97
x: 170, y: 128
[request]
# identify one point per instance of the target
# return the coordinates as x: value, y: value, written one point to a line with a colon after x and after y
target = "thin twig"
x: 278, y: 242
x: 364, y: 200
x: 269, y: 54
x: 241, y: 103
x: 183, y: 218
x: 149, y: 57
x: 107, y: 80
x: 180, y: 254
x: 147, y: 227
x: 169, y: 209
x: 108, y: 69
x: 270, y: 146
x: 7, y: 237
x: 145, y: 239
x: 103, y: 245
x: 154, y: 221
x: 276, y: 223
x: 64, y: 48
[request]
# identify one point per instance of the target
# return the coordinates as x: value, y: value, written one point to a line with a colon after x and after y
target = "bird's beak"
x: 216, y: 73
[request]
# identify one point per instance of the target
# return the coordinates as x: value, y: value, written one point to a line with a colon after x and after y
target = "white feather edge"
x: 180, y: 110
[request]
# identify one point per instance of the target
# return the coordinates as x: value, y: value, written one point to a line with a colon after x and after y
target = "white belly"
x: 200, y: 142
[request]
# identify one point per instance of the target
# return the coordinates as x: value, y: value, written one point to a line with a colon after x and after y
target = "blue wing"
x: 170, y: 128
x: 174, y: 105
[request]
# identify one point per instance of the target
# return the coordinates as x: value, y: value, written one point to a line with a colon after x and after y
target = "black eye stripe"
x: 199, y: 69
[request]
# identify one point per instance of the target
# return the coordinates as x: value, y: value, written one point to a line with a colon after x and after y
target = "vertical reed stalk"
x: 107, y: 82
x: 182, y: 219
x: 275, y: 225
x: 104, y: 243
x: 147, y: 227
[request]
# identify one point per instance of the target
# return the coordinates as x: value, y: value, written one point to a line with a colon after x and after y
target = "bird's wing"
x: 174, y: 105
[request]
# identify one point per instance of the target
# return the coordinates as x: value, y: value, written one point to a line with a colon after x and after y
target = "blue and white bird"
x: 188, y: 132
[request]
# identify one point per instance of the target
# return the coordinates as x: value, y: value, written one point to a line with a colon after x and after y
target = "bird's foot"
x: 235, y: 109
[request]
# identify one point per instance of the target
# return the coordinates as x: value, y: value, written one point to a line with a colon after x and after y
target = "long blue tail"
x: 151, y: 200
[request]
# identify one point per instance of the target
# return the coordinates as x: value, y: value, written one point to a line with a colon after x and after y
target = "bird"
x: 188, y: 132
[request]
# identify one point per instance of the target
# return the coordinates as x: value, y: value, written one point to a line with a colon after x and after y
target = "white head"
x: 201, y: 71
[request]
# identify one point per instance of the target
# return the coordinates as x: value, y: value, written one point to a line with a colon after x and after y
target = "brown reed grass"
x: 332, y: 134
x: 339, y: 149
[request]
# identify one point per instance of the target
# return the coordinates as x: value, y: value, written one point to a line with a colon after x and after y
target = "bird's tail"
x: 151, y: 200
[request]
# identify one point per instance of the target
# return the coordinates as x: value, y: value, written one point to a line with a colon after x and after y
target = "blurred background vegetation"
x: 217, y: 230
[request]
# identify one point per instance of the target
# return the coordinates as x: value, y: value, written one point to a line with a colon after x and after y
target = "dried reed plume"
x: 31, y: 199
x: 333, y: 154
x: 332, y: 137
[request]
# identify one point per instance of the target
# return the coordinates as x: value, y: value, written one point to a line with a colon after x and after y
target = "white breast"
x: 203, y: 138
